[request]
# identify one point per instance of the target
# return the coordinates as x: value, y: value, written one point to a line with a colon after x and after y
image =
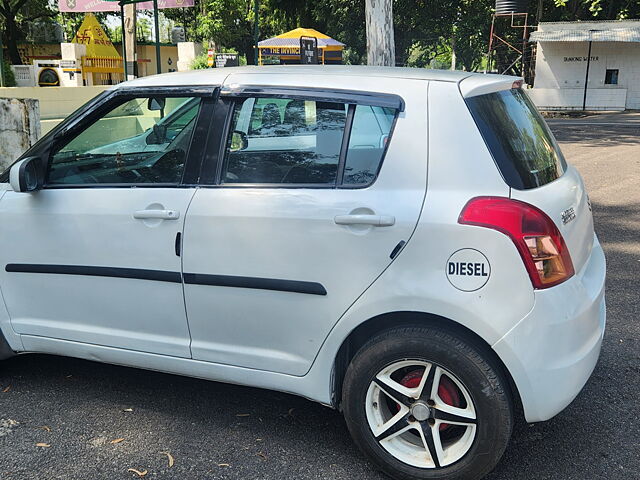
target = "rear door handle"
x: 157, y: 214
x: 374, y: 220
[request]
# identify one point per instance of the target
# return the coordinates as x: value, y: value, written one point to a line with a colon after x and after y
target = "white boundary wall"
x: 55, y: 102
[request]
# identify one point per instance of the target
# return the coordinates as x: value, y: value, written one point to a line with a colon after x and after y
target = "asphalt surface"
x: 82, y: 409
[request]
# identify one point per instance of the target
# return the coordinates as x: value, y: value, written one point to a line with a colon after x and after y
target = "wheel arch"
x: 365, y: 330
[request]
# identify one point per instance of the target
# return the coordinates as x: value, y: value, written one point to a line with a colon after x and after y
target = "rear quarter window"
x: 517, y: 136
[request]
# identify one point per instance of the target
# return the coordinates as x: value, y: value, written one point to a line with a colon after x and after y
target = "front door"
x: 304, y: 214
x: 92, y: 257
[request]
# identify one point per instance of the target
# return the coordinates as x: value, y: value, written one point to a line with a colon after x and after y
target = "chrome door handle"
x: 374, y: 220
x: 157, y: 214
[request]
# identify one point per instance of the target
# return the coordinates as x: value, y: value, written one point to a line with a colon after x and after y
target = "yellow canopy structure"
x: 92, y: 35
x: 286, y: 46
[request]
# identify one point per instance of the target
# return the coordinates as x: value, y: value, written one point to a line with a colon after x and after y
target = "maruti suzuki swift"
x: 407, y: 246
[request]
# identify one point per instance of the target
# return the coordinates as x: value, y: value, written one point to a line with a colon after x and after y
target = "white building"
x: 562, y: 60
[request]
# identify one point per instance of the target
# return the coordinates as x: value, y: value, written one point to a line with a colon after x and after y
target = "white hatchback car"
x: 408, y: 246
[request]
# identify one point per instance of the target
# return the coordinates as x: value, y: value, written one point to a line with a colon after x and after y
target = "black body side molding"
x: 294, y: 286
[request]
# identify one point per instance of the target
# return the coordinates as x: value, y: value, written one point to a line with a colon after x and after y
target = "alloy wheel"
x: 421, y: 414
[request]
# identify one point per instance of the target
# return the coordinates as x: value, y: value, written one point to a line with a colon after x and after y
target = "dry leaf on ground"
x: 43, y: 445
x: 117, y: 440
x: 128, y: 410
x: 170, y: 457
x: 243, y: 414
x: 6, y: 389
x: 45, y: 428
x: 224, y: 465
x: 261, y: 455
x: 138, y: 472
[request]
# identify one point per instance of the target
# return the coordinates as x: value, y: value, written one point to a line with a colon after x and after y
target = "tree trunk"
x: 131, y: 41
x: 11, y: 37
x: 380, y: 41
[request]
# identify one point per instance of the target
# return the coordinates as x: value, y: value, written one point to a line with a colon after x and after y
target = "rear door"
x: 532, y: 164
x: 307, y: 197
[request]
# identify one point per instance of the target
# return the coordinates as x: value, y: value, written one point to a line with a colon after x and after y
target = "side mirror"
x: 156, y: 103
x: 239, y: 141
x: 26, y: 175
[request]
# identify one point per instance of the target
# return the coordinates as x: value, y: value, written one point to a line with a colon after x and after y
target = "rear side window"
x: 369, y: 136
x: 294, y: 141
x: 519, y: 140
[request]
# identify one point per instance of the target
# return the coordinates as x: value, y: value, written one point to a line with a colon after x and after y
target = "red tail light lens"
x: 538, y: 240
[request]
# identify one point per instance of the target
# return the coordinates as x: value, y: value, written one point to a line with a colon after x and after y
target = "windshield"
x: 518, y: 137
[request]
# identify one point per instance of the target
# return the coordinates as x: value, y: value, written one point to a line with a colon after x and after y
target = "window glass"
x: 284, y: 141
x: 517, y: 136
x: 369, y: 136
x: 611, y: 77
x: 143, y: 140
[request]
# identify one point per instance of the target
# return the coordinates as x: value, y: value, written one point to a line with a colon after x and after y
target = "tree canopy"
x: 425, y: 30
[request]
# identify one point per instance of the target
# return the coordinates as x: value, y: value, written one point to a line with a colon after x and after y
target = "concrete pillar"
x: 19, y: 127
x: 71, y: 64
x: 187, y: 52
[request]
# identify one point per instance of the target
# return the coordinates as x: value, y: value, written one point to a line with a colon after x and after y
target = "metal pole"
x: 155, y: 21
x: 586, y: 78
x: 488, y: 66
x: 124, y: 43
x: 256, y: 30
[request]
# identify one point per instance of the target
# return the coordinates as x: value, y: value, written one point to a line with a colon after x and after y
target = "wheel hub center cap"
x: 420, y: 411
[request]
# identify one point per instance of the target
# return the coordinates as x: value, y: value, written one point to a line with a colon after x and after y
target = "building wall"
x: 561, y: 69
x: 562, y: 65
x: 147, y: 58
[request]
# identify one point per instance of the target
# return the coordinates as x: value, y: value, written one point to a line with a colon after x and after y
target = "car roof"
x: 217, y: 76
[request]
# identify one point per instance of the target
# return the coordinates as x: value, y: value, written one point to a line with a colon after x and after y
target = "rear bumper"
x: 552, y: 352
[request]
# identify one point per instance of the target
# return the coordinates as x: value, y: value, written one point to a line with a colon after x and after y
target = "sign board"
x: 81, y: 6
x: 309, y: 51
x: 210, y: 57
x: 227, y: 60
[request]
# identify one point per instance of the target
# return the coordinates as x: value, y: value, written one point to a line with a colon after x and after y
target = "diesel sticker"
x: 468, y: 270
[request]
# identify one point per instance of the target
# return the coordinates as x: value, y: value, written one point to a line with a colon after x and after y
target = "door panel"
x: 92, y: 257
x: 82, y: 268
x: 269, y: 269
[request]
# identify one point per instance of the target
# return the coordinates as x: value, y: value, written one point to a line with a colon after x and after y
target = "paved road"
x: 228, y: 432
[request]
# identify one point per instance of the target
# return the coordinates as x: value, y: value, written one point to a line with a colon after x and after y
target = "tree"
x: 15, y: 14
x: 381, y: 48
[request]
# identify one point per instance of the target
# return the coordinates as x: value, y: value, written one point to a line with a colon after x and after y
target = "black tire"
x: 473, y: 367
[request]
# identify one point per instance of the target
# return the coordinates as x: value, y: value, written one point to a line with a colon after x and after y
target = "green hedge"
x: 9, y: 78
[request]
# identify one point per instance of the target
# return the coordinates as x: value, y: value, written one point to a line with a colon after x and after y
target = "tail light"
x: 538, y: 240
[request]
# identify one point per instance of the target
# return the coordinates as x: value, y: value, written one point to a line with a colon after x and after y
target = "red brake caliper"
x: 447, y: 390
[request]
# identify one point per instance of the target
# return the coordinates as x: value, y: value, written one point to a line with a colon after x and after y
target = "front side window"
x: 284, y: 141
x: 140, y: 141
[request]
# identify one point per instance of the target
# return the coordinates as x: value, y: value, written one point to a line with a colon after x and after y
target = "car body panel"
x: 290, y: 233
x: 94, y: 227
x: 548, y: 340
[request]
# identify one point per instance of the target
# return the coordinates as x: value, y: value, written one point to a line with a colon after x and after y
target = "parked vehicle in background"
x: 407, y: 246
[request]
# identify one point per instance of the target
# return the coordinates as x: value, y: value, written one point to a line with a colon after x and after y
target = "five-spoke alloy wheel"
x: 423, y: 403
